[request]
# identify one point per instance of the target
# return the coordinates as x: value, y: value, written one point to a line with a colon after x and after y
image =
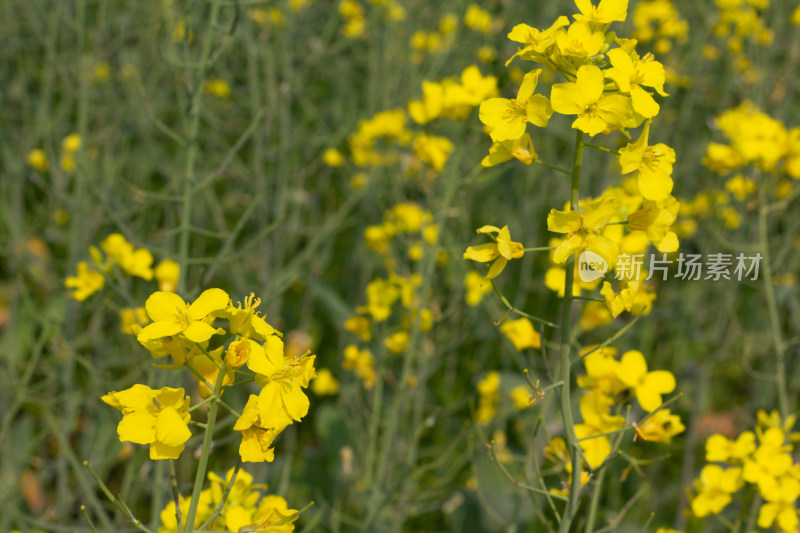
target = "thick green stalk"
x: 564, y: 363
x: 205, y: 452
x: 772, y: 305
x: 190, y: 180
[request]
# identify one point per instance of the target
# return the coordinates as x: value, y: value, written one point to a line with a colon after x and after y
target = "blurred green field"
x: 220, y: 165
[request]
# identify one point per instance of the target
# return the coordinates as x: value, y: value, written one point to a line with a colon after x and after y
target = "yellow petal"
x: 158, y: 330
x: 528, y: 85
x: 632, y: 368
x: 273, y: 347
x: 161, y: 306
x: 570, y: 245
x: 563, y: 221
x: 591, y: 82
x: 209, y: 301
x: 237, y: 517
x: 568, y: 99
x: 159, y: 450
x: 199, y: 331
x: 249, y: 415
x: 273, y: 414
x: 538, y: 110
x: 643, y: 102
x: 171, y: 430
x: 138, y: 427
x: 295, y: 401
x: 599, y: 212
x: 496, y: 268
x: 660, y: 380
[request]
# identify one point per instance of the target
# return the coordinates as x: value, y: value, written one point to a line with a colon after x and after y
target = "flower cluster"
x: 760, y: 460
x: 384, y: 140
x: 116, y: 254
x: 184, y: 332
x: 755, y: 139
x: 740, y: 22
x: 610, y: 384
x: 230, y: 504
x: 353, y: 15
x: 658, y: 21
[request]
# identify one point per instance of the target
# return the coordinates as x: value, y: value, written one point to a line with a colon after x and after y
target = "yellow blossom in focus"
x: 172, y: 316
x: 155, y: 417
x: 501, y: 251
x: 652, y: 165
x: 509, y: 118
x: 585, y: 97
x: 583, y: 230
x: 257, y: 434
x: 605, y: 12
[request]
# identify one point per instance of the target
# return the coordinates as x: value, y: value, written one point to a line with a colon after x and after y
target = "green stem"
x: 598, y: 485
x: 777, y: 340
x: 190, y: 181
x: 564, y: 363
x: 205, y: 452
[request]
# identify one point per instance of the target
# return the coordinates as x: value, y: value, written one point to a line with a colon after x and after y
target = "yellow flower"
x: 209, y: 368
x: 509, y: 118
x: 87, y: 282
x: 325, y: 384
x: 521, y: 333
x: 488, y: 397
x: 245, y: 321
x: 167, y: 274
x: 631, y: 74
x: 621, y: 301
x: 37, y: 159
x: 661, y: 427
x: 217, y: 87
x: 585, y: 97
x: 647, y: 386
x: 779, y: 508
x: 521, y: 149
x: 595, y: 410
x: 333, y: 157
x: 583, y: 230
x: 601, y: 371
x: 501, y: 251
x: 521, y: 397
x: 579, y: 40
x: 360, y: 325
x: 605, y: 12
x: 397, y: 342
x: 652, y: 164
x: 478, y: 19
x: 771, y: 459
x: 715, y: 487
x: 362, y: 362
x: 720, y: 449
x: 740, y: 187
x: 282, y: 381
x: 655, y: 219
x: 476, y: 286
x: 272, y: 510
x: 132, y: 320
x: 155, y: 417
x: 257, y: 434
x: 71, y: 143
x: 537, y: 42
x: 172, y: 316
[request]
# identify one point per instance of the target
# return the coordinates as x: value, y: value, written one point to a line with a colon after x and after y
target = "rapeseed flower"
x: 583, y: 230
x: 501, y: 251
x: 155, y: 417
x: 509, y: 118
x: 172, y: 316
x: 585, y: 97
x: 647, y: 386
